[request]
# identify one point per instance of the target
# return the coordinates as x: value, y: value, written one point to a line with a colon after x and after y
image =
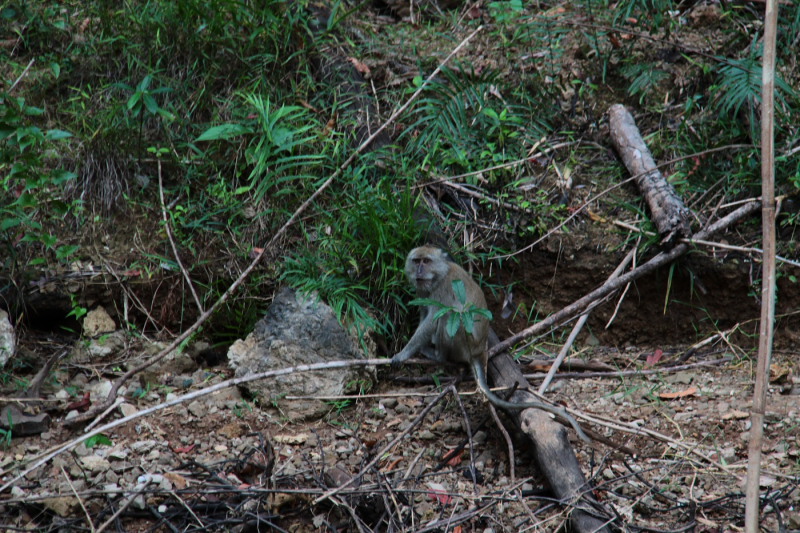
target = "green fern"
x: 739, y: 81
x: 642, y: 78
x: 463, y: 117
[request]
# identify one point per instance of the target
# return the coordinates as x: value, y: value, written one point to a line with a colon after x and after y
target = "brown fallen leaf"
x: 679, y: 394
x: 82, y: 404
x: 779, y: 373
x: 735, y: 415
x: 360, y: 67
x: 392, y: 465
x: 653, y: 358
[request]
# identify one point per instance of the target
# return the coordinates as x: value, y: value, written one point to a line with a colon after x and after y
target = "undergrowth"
x: 223, y: 94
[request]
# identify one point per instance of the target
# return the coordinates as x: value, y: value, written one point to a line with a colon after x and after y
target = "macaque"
x: 431, y: 272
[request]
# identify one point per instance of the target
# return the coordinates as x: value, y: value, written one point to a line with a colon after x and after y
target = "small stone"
x: 143, y: 446
x: 389, y: 403
x: 127, y: 409
x: 728, y: 454
x: 426, y: 434
x: 95, y: 463
x: 61, y: 506
x: 198, y: 409
x: 97, y: 321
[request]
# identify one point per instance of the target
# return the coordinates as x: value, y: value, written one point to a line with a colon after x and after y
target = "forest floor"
x: 675, y: 453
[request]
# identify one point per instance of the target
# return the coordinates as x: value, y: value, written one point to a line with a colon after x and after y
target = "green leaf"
x: 94, y: 440
x: 56, y: 68
x: 440, y: 313
x: 485, y: 313
x: 459, y: 290
x: 33, y: 111
x: 56, y: 135
x: 426, y: 302
x: 65, y: 251
x: 48, y: 240
x: 61, y: 208
x: 8, y: 223
x: 6, y: 130
x: 133, y: 100
x: 224, y: 131
x: 60, y: 176
x: 150, y: 103
x: 453, y: 321
x: 26, y: 200
x: 468, y: 322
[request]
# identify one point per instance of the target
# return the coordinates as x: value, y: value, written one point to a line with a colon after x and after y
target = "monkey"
x: 431, y: 272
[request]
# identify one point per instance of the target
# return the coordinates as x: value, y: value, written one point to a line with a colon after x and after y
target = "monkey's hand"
x: 399, y: 358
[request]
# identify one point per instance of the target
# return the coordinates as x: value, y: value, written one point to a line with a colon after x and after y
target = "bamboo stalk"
x: 768, y: 276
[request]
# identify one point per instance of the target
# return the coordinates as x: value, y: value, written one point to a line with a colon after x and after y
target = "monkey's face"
x: 424, y: 268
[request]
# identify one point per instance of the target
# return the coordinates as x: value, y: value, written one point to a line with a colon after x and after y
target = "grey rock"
x: 22, y: 423
x: 8, y: 341
x: 389, y: 403
x: 197, y: 409
x: 143, y: 446
x: 97, y: 322
x: 95, y: 463
x: 299, y: 330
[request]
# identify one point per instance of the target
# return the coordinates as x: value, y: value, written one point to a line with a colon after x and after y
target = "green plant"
x: 77, y: 310
x: 462, y: 123
x: 275, y: 150
x: 354, y: 259
x: 505, y: 11
x: 242, y: 406
x: 642, y: 77
x: 31, y: 188
x: 465, y: 315
x: 739, y: 83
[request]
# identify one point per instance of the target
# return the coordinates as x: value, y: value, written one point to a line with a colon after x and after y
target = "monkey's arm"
x: 419, y: 340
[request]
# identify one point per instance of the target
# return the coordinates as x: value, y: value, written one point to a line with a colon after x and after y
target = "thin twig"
x: 128, y: 501
x: 626, y: 373
x: 30, y: 64
x: 509, y: 444
x: 80, y: 500
x: 172, y: 241
x: 599, y: 195
x: 472, y: 470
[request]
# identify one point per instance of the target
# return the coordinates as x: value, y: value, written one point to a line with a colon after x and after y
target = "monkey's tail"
x: 480, y: 378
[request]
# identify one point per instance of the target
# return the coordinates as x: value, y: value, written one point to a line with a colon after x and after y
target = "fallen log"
x: 669, y: 215
x: 552, y: 450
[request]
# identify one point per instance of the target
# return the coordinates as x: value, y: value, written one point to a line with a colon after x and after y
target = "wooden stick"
x: 768, y: 277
